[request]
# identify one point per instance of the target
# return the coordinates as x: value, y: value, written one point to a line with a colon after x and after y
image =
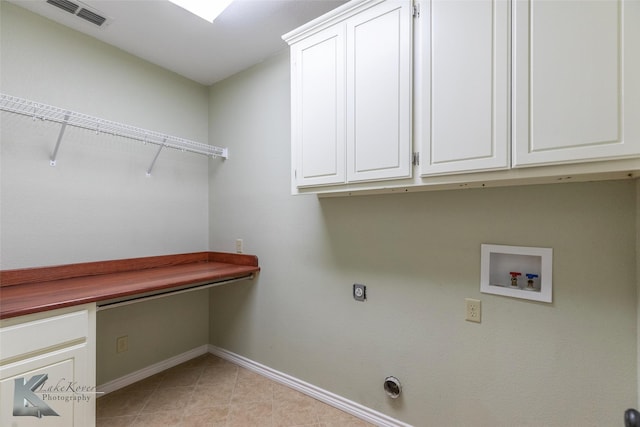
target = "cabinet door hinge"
x: 416, y: 159
x: 416, y: 10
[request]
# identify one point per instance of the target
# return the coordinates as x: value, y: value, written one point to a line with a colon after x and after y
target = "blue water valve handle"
x: 530, y: 277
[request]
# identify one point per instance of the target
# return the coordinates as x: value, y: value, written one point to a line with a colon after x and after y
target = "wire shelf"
x: 37, y: 110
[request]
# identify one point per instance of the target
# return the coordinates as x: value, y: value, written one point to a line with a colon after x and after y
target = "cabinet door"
x: 576, y: 80
x: 47, y: 369
x: 318, y: 111
x: 463, y: 48
x: 39, y: 391
x: 379, y: 92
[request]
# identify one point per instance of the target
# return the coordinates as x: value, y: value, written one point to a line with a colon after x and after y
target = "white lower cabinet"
x: 47, y: 369
x: 576, y: 81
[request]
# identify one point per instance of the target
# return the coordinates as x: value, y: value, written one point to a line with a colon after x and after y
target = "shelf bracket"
x: 54, y: 155
x: 153, y: 162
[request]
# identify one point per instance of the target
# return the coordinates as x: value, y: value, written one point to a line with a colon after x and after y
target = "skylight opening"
x: 208, y: 10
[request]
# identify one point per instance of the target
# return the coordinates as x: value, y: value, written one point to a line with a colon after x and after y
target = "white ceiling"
x: 158, y: 31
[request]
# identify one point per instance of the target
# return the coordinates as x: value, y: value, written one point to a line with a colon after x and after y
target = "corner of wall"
x: 638, y: 283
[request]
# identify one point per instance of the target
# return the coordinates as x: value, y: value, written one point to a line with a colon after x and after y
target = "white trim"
x: 317, y: 393
x: 351, y: 407
x: 148, y: 371
x: 330, y: 18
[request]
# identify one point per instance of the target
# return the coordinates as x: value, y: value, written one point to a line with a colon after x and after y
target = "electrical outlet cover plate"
x: 122, y: 344
x: 473, y: 310
x: 359, y: 292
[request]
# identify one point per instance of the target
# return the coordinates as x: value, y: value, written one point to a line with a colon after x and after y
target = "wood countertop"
x: 34, y: 290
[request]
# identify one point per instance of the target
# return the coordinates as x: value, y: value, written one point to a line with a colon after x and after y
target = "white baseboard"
x: 148, y: 371
x: 353, y: 408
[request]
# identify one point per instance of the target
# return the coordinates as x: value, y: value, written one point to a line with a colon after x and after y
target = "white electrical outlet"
x: 473, y: 310
x: 239, y: 245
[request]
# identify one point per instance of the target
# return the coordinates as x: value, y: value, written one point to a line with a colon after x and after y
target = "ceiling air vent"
x: 80, y: 10
x: 64, y: 5
x: 91, y: 17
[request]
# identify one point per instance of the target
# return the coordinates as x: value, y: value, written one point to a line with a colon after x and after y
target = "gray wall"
x: 97, y: 203
x: 572, y: 362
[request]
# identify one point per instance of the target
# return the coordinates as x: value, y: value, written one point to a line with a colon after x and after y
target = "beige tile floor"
x: 209, y: 391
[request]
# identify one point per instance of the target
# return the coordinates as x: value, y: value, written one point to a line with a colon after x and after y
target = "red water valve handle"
x: 514, y: 277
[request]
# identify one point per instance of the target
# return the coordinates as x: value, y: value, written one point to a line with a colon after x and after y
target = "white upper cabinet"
x: 379, y: 92
x: 463, y: 85
x: 576, y: 80
x: 506, y: 92
x: 351, y: 84
x: 318, y: 108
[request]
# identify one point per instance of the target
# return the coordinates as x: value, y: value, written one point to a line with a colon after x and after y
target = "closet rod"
x: 37, y: 110
x: 169, y: 293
